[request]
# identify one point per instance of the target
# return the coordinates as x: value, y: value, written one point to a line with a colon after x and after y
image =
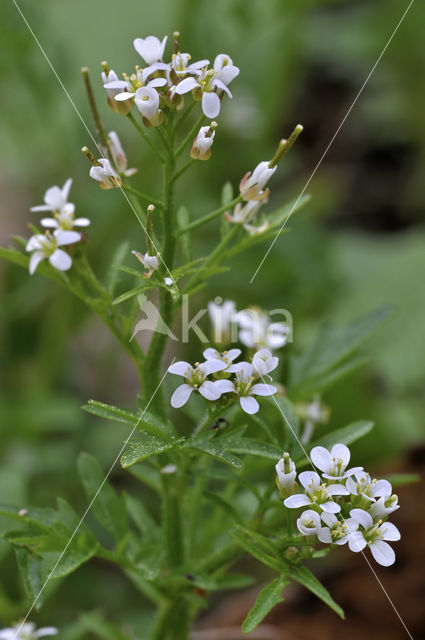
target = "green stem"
x: 184, y: 168
x: 186, y: 113
x: 95, y: 112
x: 210, y: 216
x: 215, y: 258
x: 143, y: 196
x: 190, y: 135
x: 159, y: 629
x: 145, y: 136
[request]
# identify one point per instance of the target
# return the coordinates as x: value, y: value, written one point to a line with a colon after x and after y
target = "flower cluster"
x: 253, y: 327
x: 221, y: 366
x: 344, y: 506
x: 26, y: 631
x: 60, y: 230
x: 161, y: 85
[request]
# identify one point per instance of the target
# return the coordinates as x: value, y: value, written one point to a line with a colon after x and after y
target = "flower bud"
x: 286, y: 474
x: 201, y: 148
x: 105, y: 174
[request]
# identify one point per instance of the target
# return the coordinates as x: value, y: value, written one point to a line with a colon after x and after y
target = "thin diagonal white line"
x: 322, y: 157
x: 85, y: 125
x: 51, y: 572
x: 331, y: 500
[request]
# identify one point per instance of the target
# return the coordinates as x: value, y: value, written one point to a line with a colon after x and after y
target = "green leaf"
x: 288, y: 415
x: 252, y: 447
x: 259, y: 547
x: 109, y: 509
x: 145, y: 421
x: 143, y: 448
x: 212, y: 447
x: 225, y: 505
x: 151, y: 284
x: 333, y: 345
x: 227, y: 193
x: 268, y: 598
x: 400, y: 479
x: 320, y: 383
x: 279, y: 217
x: 112, y: 277
x: 94, y: 623
x: 141, y: 517
x: 234, y: 581
x: 308, y: 580
x: 29, y: 564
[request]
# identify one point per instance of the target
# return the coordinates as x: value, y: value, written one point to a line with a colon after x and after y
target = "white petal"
x: 81, y: 222
x: 308, y: 478
x: 209, y: 390
x: 60, y: 260
x: 382, y: 553
x: 363, y: 517
x: 297, y: 500
x: 116, y: 84
x: 181, y: 395
x: 211, y: 366
x: 263, y: 390
x: 126, y: 95
x: 337, y: 490
x: 210, y: 354
x: 381, y: 488
x: 330, y: 507
x: 324, y: 535
x: 66, y: 237
x: 341, y: 451
x: 41, y: 207
x: 186, y: 85
x: 210, y: 104
x: 45, y: 631
x: 49, y: 223
x: 35, y: 260
x: 249, y: 404
x: 180, y: 368
x: 157, y: 82
x: 389, y: 531
x: 356, y: 541
x: 321, y: 458
x: 329, y: 519
x: 233, y: 353
x: 224, y: 386
x: 66, y: 189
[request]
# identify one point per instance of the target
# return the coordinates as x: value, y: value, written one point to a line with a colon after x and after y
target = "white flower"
x: 65, y: 219
x: 225, y: 69
x: 147, y: 101
x: 251, y: 186
x: 333, y: 464
x: 263, y: 362
x: 225, y: 356
x: 195, y: 380
x: 222, y: 317
x: 257, y: 331
x: 244, y: 387
x: 309, y: 523
x: 47, y: 246
x: 363, y: 486
x: 286, y: 475
x: 151, y: 49
x: 118, y: 154
x: 180, y: 65
x: 374, y: 536
x: 336, y: 532
x: 150, y: 263
x: 107, y: 78
x: 113, y: 87
x: 317, y: 493
x: 205, y: 85
x: 168, y: 281
x: 126, y: 89
x: 105, y: 174
x: 26, y: 631
x: 201, y: 147
x: 383, y: 507
x: 55, y: 198
x: 243, y: 214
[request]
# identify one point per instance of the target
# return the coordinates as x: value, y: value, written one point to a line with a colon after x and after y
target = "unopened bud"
x: 285, y: 145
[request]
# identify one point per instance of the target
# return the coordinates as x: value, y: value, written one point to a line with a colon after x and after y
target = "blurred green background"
x: 358, y: 244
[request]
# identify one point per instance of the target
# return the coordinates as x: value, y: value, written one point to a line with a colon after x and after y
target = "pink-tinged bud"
x: 201, y: 149
x: 105, y: 174
x: 251, y: 185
